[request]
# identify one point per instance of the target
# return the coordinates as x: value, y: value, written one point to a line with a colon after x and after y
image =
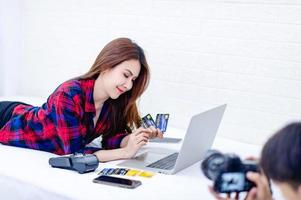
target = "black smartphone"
x: 116, y: 181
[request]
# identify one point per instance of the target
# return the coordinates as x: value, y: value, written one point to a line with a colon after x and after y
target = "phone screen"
x: 121, y: 182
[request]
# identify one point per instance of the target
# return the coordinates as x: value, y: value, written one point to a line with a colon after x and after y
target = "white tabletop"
x: 26, y: 174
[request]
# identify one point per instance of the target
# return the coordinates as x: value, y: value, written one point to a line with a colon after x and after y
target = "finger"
x: 150, y: 134
x: 236, y: 196
x: 153, y: 131
x: 148, y: 131
x: 142, y: 143
x: 255, y: 177
x: 214, y: 193
x: 252, y: 194
x: 265, y: 179
x: 160, y: 134
x: 141, y: 138
x: 252, y: 158
x: 140, y: 130
x: 144, y: 134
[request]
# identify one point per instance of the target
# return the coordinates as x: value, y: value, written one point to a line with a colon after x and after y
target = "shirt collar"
x: 87, y: 86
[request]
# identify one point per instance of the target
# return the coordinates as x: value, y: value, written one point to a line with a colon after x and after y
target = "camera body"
x: 228, y: 171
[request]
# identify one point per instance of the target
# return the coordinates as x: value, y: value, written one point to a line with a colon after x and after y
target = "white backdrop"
x: 10, y: 45
x: 201, y: 53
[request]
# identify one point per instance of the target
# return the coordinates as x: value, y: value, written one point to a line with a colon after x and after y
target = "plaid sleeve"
x: 114, y: 141
x: 89, y: 150
x: 67, y: 123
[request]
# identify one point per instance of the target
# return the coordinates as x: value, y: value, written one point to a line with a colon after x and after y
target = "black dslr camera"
x: 228, y: 171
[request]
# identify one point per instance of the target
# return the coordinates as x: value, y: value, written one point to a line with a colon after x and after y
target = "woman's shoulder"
x: 73, y: 86
x: 69, y: 88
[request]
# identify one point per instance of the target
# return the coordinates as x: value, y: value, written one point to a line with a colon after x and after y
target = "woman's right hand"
x: 136, y: 140
x: 262, y: 190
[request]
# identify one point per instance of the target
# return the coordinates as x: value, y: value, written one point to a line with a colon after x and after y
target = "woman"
x: 100, y: 102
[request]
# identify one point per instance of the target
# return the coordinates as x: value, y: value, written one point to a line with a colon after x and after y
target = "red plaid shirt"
x: 62, y: 125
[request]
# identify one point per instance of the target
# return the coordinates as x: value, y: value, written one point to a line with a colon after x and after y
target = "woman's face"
x: 120, y: 79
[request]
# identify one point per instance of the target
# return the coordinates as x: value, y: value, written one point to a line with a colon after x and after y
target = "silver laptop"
x: 198, y: 139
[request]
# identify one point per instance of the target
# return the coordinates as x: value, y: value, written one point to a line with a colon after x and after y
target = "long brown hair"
x: 124, y: 113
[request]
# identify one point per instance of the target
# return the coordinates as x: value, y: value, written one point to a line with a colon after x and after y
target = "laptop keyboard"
x: 167, y: 162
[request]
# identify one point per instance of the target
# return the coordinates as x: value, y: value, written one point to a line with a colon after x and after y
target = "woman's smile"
x: 120, y: 90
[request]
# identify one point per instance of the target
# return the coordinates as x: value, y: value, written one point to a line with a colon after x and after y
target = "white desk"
x: 25, y: 174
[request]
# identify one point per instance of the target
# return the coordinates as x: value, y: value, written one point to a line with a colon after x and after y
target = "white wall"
x: 10, y: 45
x: 201, y: 53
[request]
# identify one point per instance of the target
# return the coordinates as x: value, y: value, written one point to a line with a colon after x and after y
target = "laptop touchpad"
x: 149, y: 157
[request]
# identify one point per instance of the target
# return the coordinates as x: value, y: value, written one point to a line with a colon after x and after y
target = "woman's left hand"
x: 154, y: 132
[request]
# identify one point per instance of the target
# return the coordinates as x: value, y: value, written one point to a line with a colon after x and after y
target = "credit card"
x: 161, y: 121
x: 148, y: 121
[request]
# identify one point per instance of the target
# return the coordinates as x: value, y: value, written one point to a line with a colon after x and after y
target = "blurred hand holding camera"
x: 259, y: 192
x: 233, y: 176
x: 262, y: 189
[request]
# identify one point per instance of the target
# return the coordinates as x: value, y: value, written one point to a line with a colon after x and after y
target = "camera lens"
x: 212, y: 164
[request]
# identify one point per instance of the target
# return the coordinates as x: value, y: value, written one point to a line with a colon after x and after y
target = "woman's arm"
x: 114, y: 154
x: 130, y: 144
x: 67, y: 121
x: 109, y: 155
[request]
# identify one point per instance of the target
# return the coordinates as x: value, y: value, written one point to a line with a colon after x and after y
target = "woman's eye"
x: 125, y: 75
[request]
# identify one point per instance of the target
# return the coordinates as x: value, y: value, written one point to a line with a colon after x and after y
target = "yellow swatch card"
x: 146, y: 174
x: 132, y: 172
